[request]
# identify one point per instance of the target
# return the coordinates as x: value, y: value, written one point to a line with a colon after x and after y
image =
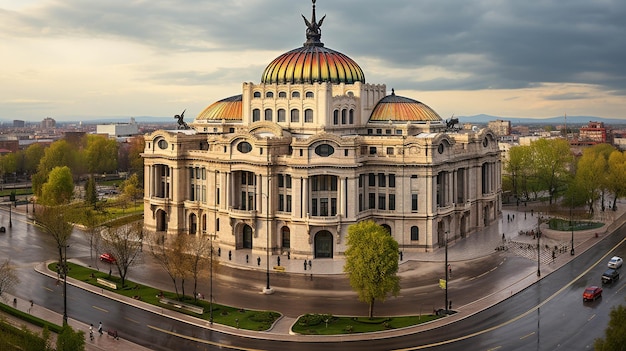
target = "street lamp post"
x: 267, y: 290
x: 10, y: 220
x: 538, y: 247
x: 63, y: 270
x: 211, y: 284
x: 445, y: 307
x: 571, y: 225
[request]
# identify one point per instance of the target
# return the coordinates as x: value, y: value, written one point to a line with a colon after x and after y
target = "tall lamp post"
x: 10, y: 220
x: 445, y: 307
x: 538, y: 247
x: 267, y: 290
x: 211, y: 284
x: 571, y: 225
x: 63, y: 270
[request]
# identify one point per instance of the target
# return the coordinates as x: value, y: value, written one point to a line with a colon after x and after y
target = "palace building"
x: 291, y: 162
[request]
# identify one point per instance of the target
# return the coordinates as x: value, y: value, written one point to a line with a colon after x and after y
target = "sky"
x: 82, y: 60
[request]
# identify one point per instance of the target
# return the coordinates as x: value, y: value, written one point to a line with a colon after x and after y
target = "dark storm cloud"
x: 488, y: 43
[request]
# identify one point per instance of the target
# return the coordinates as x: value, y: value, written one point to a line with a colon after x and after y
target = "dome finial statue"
x: 313, y: 31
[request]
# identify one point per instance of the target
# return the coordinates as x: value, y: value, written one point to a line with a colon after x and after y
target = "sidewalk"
x: 479, y: 244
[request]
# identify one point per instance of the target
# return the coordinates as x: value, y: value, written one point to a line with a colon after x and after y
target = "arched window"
x: 343, y: 116
x: 257, y: 94
x: 387, y: 228
x: 282, y: 115
x: 336, y: 117
x: 308, y: 116
x: 415, y: 233
x: 282, y: 94
x: 269, y: 94
x: 268, y: 114
x: 295, y: 94
x: 295, y: 115
x: 256, y: 115
x: 309, y: 94
x: 351, y: 116
x: 286, y: 237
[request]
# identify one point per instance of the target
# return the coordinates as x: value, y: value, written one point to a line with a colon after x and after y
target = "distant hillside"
x: 581, y: 120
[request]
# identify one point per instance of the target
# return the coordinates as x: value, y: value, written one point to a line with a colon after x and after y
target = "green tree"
x: 58, y: 154
x: 32, y: 156
x: 124, y: 243
x: 552, y: 159
x: 131, y: 188
x: 137, y: 146
x: 372, y: 262
x: 59, y: 188
x: 8, y: 164
x: 91, y: 193
x: 70, y: 340
x: 518, y: 169
x: 170, y: 257
x: 616, y: 178
x: 615, y: 334
x: 8, y: 277
x: 101, y: 154
x: 592, y: 174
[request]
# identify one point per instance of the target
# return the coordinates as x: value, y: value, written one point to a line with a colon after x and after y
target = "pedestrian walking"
x: 31, y: 306
x: 305, y: 265
x: 91, y: 332
x: 310, y: 265
x: 258, y: 261
x: 100, y: 328
x: 230, y: 255
x: 278, y: 260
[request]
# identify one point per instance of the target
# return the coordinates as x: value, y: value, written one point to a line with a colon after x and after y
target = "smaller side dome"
x: 225, y: 109
x: 402, y: 109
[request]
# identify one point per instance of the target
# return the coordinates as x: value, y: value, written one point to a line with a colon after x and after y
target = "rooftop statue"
x: 182, y: 124
x: 313, y: 31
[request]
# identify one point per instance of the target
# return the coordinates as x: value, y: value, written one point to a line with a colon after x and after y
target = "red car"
x: 107, y: 257
x: 591, y: 293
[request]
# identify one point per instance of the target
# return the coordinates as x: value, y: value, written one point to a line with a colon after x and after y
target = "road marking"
x: 527, y: 335
x: 47, y: 288
x: 203, y: 341
x: 495, y: 348
x: 100, y: 309
x: 592, y: 317
x: 131, y: 320
x: 515, y: 319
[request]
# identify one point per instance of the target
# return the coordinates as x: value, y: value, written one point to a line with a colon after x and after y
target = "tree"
x: 52, y: 220
x: 551, y: 161
x: 137, y: 146
x: 70, y: 340
x: 616, y: 179
x: 131, y: 188
x: 32, y: 157
x: 8, y: 277
x: 198, y: 253
x: 101, y: 154
x: 91, y: 193
x: 124, y: 243
x: 592, y: 174
x: 59, y: 188
x: 518, y: 168
x: 58, y: 154
x: 372, y: 262
x: 615, y: 334
x: 8, y: 164
x: 170, y: 257
x: 93, y: 230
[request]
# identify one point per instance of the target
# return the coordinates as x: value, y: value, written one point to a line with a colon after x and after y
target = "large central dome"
x: 312, y: 63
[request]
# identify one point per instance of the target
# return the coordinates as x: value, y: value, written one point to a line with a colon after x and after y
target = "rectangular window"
x: 268, y: 114
x: 244, y: 200
x: 251, y: 204
x: 308, y: 116
x: 281, y: 202
x: 372, y: 200
x: 281, y: 115
x: 295, y: 115
x: 288, y: 204
x: 203, y: 173
x: 360, y: 202
x: 251, y: 178
x: 381, y: 202
x: 314, y: 184
x: 392, y: 180
x: 415, y: 234
x: 382, y: 180
x: 256, y: 115
x: 217, y: 225
x: 372, y: 150
x: 372, y: 179
x: 389, y: 151
x: 217, y: 196
x: 324, y: 207
x: 191, y: 194
x: 392, y: 202
x: 288, y: 181
x: 333, y: 206
x: 414, y: 202
x: 281, y: 180
x: 314, y: 207
x: 361, y: 176
x: 333, y: 183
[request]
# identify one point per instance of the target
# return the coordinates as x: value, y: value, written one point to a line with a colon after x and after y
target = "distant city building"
x: 593, y: 133
x: 48, y: 123
x: 74, y: 138
x: 118, y: 130
x: 18, y: 123
x: 9, y: 145
x: 293, y: 161
x: 500, y: 127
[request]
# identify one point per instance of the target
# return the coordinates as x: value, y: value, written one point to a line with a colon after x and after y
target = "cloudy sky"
x: 82, y: 59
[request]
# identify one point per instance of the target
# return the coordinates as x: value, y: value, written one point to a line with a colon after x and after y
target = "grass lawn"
x: 226, y: 315
x: 321, y: 324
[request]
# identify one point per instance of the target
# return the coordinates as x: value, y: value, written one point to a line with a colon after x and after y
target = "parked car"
x: 615, y: 262
x: 610, y: 276
x: 591, y: 293
x: 107, y: 257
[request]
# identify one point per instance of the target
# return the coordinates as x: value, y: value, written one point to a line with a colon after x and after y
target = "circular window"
x: 485, y: 142
x: 324, y: 150
x: 162, y: 144
x: 440, y: 148
x: 244, y: 147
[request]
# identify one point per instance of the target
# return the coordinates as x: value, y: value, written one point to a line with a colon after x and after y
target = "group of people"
x: 112, y: 333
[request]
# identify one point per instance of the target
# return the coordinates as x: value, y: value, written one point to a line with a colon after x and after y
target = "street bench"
x: 107, y: 283
x: 181, y: 305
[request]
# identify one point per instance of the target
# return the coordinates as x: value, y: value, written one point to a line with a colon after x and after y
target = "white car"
x: 615, y: 262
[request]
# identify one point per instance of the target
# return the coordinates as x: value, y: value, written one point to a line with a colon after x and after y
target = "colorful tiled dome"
x: 312, y: 63
x: 226, y: 109
x: 397, y: 108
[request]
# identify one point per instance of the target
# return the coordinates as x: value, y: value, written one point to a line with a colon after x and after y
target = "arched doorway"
x: 387, y: 228
x: 161, y: 221
x: 324, y: 244
x: 285, y: 237
x: 193, y: 224
x: 247, y: 237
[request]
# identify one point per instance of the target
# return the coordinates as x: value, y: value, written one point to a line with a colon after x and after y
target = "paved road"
x: 474, y: 261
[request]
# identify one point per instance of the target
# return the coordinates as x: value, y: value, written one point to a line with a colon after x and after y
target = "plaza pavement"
x: 482, y: 243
